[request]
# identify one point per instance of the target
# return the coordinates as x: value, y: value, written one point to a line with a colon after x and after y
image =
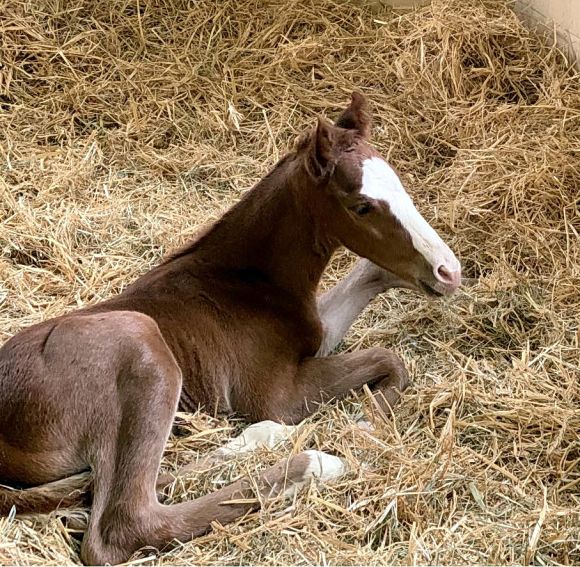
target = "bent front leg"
x: 320, y: 380
x: 339, y: 307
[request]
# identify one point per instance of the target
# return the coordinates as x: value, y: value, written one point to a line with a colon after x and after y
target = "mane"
x: 266, y: 185
x: 207, y: 230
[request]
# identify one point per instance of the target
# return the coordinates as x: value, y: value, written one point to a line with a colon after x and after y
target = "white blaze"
x: 380, y: 182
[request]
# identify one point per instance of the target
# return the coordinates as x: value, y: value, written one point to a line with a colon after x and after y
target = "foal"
x: 229, y: 323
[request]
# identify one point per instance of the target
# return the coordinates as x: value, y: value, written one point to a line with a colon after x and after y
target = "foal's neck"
x: 273, y: 233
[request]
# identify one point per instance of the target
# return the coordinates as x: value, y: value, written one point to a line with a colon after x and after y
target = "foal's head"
x: 367, y: 207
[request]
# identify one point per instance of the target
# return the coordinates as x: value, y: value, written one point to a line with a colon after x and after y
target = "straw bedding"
x: 125, y: 126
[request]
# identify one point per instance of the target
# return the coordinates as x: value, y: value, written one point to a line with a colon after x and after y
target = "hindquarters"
x: 41, y: 409
x: 61, y: 387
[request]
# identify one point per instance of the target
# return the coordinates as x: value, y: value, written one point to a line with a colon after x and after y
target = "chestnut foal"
x: 229, y: 323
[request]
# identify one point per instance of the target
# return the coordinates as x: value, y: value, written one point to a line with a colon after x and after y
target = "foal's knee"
x: 390, y: 367
x: 391, y: 380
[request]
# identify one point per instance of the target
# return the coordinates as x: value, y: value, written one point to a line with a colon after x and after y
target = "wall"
x: 559, y: 18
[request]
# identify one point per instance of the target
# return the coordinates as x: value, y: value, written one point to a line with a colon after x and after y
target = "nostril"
x: 444, y: 274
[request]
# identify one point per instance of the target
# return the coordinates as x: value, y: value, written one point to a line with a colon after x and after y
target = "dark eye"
x: 362, y: 209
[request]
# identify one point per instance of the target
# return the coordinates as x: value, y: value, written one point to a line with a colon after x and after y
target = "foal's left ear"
x: 357, y: 116
x: 321, y: 155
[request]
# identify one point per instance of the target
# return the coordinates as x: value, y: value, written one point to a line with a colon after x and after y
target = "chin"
x: 429, y: 289
x: 435, y: 289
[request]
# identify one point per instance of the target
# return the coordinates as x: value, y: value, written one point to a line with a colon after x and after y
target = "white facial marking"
x: 380, y: 182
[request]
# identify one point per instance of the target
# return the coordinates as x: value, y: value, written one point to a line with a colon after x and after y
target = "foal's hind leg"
x: 126, y: 451
x: 266, y: 434
x: 340, y: 306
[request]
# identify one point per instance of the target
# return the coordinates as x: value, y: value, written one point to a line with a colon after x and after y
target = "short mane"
x: 207, y: 230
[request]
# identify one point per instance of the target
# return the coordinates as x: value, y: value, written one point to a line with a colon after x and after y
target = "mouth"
x: 430, y: 290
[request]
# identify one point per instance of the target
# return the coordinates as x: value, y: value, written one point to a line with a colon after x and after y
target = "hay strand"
x: 126, y: 126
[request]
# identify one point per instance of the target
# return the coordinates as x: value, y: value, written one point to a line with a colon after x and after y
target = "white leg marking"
x: 322, y: 467
x: 366, y: 425
x: 263, y: 434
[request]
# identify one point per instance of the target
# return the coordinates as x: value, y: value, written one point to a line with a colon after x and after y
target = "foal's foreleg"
x: 340, y: 306
x: 319, y: 380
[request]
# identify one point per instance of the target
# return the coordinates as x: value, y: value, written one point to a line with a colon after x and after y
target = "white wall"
x: 549, y: 16
x: 559, y: 16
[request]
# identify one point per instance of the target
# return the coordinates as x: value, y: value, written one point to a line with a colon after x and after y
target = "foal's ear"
x: 356, y: 116
x: 322, y: 149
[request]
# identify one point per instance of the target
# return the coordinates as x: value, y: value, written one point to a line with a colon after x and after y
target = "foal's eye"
x: 362, y: 209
